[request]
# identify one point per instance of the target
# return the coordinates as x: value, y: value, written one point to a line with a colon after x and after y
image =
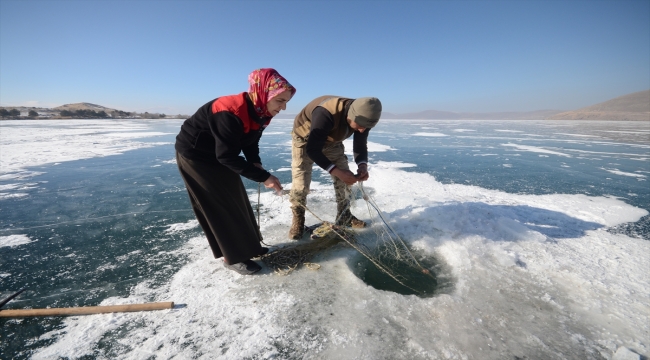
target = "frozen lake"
x: 540, y: 228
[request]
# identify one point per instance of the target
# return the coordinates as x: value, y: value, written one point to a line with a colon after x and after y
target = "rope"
x: 259, y: 203
x: 370, y: 201
x: 286, y: 260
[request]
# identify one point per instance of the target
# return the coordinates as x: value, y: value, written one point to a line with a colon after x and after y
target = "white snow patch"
x: 535, y: 149
x: 623, y: 173
x: 393, y: 164
x: 174, y: 228
x: 578, y: 135
x: 372, y: 146
x: 434, y: 134
x: 40, y: 142
x: 14, y: 240
x: 274, y: 133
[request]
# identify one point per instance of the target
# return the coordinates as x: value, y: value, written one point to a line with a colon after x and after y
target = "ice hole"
x: 430, y: 280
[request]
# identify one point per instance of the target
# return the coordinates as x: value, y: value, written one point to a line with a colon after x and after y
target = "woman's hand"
x: 273, y: 183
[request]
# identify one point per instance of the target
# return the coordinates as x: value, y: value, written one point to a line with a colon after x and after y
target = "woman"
x: 207, y: 154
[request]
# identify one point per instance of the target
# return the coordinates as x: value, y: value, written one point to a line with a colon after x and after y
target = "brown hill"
x: 635, y: 106
x: 449, y: 115
x: 83, y: 106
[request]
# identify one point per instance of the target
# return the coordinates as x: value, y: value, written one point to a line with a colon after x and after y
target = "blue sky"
x: 174, y: 56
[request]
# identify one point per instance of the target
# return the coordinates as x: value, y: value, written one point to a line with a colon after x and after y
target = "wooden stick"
x: 86, y: 310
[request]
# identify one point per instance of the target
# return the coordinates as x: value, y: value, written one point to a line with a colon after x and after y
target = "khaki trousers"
x: 301, y: 171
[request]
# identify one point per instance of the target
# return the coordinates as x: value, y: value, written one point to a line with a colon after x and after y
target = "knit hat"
x: 365, y: 112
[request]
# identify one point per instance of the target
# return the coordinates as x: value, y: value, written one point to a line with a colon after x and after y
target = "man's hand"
x: 362, y: 172
x: 345, y: 175
x: 273, y: 183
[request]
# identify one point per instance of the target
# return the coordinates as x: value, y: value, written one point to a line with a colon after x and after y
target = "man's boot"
x: 345, y: 218
x: 297, y: 224
x: 349, y: 220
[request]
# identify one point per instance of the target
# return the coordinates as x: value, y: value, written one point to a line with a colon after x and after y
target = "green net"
x: 378, y: 243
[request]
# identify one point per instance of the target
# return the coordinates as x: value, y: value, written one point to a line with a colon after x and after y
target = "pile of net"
x: 378, y: 243
x: 325, y: 236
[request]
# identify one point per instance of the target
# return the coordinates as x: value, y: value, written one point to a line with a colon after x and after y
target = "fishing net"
x: 378, y: 243
x: 289, y: 258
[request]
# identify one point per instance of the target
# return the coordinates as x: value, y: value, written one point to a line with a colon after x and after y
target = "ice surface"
x: 535, y: 275
x: 37, y: 142
x: 532, y: 272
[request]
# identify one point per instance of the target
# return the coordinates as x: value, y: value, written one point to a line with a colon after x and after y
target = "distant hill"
x: 448, y: 115
x: 83, y: 106
x: 81, y: 110
x: 635, y: 106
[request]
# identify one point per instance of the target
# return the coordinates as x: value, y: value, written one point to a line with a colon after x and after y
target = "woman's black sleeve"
x: 228, y: 130
x: 252, y: 151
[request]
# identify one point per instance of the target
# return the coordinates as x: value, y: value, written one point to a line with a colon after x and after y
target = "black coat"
x: 234, y: 128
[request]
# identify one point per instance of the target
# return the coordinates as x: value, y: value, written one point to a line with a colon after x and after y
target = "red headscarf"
x: 264, y: 84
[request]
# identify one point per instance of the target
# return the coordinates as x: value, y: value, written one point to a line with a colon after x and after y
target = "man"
x: 317, y: 137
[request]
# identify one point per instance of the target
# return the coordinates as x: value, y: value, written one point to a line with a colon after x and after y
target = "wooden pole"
x: 86, y: 310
